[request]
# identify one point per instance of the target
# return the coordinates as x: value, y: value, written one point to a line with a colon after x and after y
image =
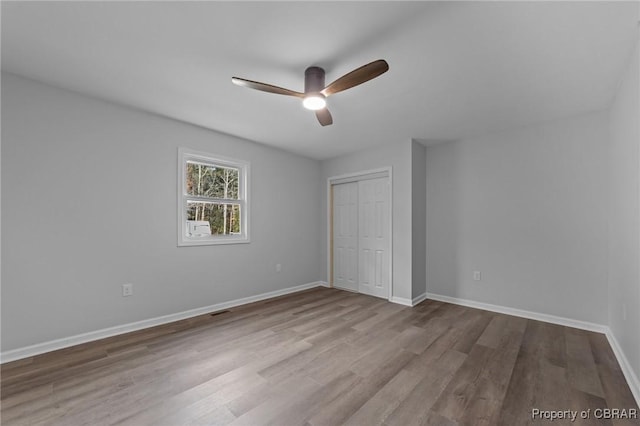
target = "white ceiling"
x: 456, y: 68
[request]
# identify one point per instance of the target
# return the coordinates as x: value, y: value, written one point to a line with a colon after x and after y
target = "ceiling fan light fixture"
x: 315, y: 91
x: 314, y: 101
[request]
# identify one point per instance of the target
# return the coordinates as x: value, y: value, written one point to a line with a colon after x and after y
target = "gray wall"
x: 398, y: 156
x: 528, y: 209
x: 418, y: 219
x: 624, y: 216
x: 89, y: 203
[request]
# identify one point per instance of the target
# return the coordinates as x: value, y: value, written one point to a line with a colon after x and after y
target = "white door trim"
x: 354, y: 177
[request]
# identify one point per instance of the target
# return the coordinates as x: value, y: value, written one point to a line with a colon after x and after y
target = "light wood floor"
x: 322, y: 357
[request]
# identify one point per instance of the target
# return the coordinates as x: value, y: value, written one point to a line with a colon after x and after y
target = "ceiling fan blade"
x: 357, y: 76
x: 324, y: 117
x: 265, y: 87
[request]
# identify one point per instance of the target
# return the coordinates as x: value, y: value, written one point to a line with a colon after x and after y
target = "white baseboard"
x: 419, y: 299
x: 567, y: 322
x: 400, y: 300
x: 629, y: 374
x: 408, y: 302
x: 66, y: 342
x: 627, y: 370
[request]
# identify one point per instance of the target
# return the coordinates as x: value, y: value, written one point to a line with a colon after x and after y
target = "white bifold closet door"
x: 345, y: 236
x: 361, y: 236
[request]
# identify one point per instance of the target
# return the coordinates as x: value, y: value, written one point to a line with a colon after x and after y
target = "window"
x: 212, y: 199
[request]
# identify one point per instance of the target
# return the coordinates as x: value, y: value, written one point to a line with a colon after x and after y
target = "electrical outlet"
x: 278, y: 267
x: 477, y: 276
x: 127, y: 290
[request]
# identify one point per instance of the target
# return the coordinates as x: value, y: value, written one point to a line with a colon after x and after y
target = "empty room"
x: 320, y: 213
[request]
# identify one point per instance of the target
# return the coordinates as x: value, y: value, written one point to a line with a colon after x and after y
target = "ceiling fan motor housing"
x: 313, y: 80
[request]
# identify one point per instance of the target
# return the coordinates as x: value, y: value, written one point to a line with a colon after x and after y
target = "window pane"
x: 212, y: 181
x: 223, y: 219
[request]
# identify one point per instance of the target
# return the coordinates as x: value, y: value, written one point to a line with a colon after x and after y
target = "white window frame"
x: 186, y: 154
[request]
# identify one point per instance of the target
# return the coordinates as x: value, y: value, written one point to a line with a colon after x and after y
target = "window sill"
x: 211, y: 242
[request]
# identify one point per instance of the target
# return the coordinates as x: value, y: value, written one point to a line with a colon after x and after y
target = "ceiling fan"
x: 315, y: 92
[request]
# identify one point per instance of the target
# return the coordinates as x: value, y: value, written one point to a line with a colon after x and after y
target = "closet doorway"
x: 360, y: 232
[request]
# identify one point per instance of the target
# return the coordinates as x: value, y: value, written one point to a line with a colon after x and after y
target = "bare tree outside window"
x: 218, y: 183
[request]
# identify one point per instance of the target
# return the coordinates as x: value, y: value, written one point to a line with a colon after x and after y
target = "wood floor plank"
x: 377, y: 355
x: 521, y: 396
x: 474, y: 326
x: 438, y: 347
x: 341, y: 409
x: 486, y: 402
x: 617, y: 393
x: 301, y: 412
x: 581, y: 367
x: 546, y: 341
x: 601, y: 351
x: 200, y: 413
x: 322, y: 357
x: 215, y: 392
x: 415, y: 408
x: 499, y: 329
x: 375, y: 410
x: 289, y: 365
x: 280, y: 400
x: 332, y: 363
x: 462, y: 387
x: 552, y: 388
x: 416, y: 339
x: 580, y: 401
